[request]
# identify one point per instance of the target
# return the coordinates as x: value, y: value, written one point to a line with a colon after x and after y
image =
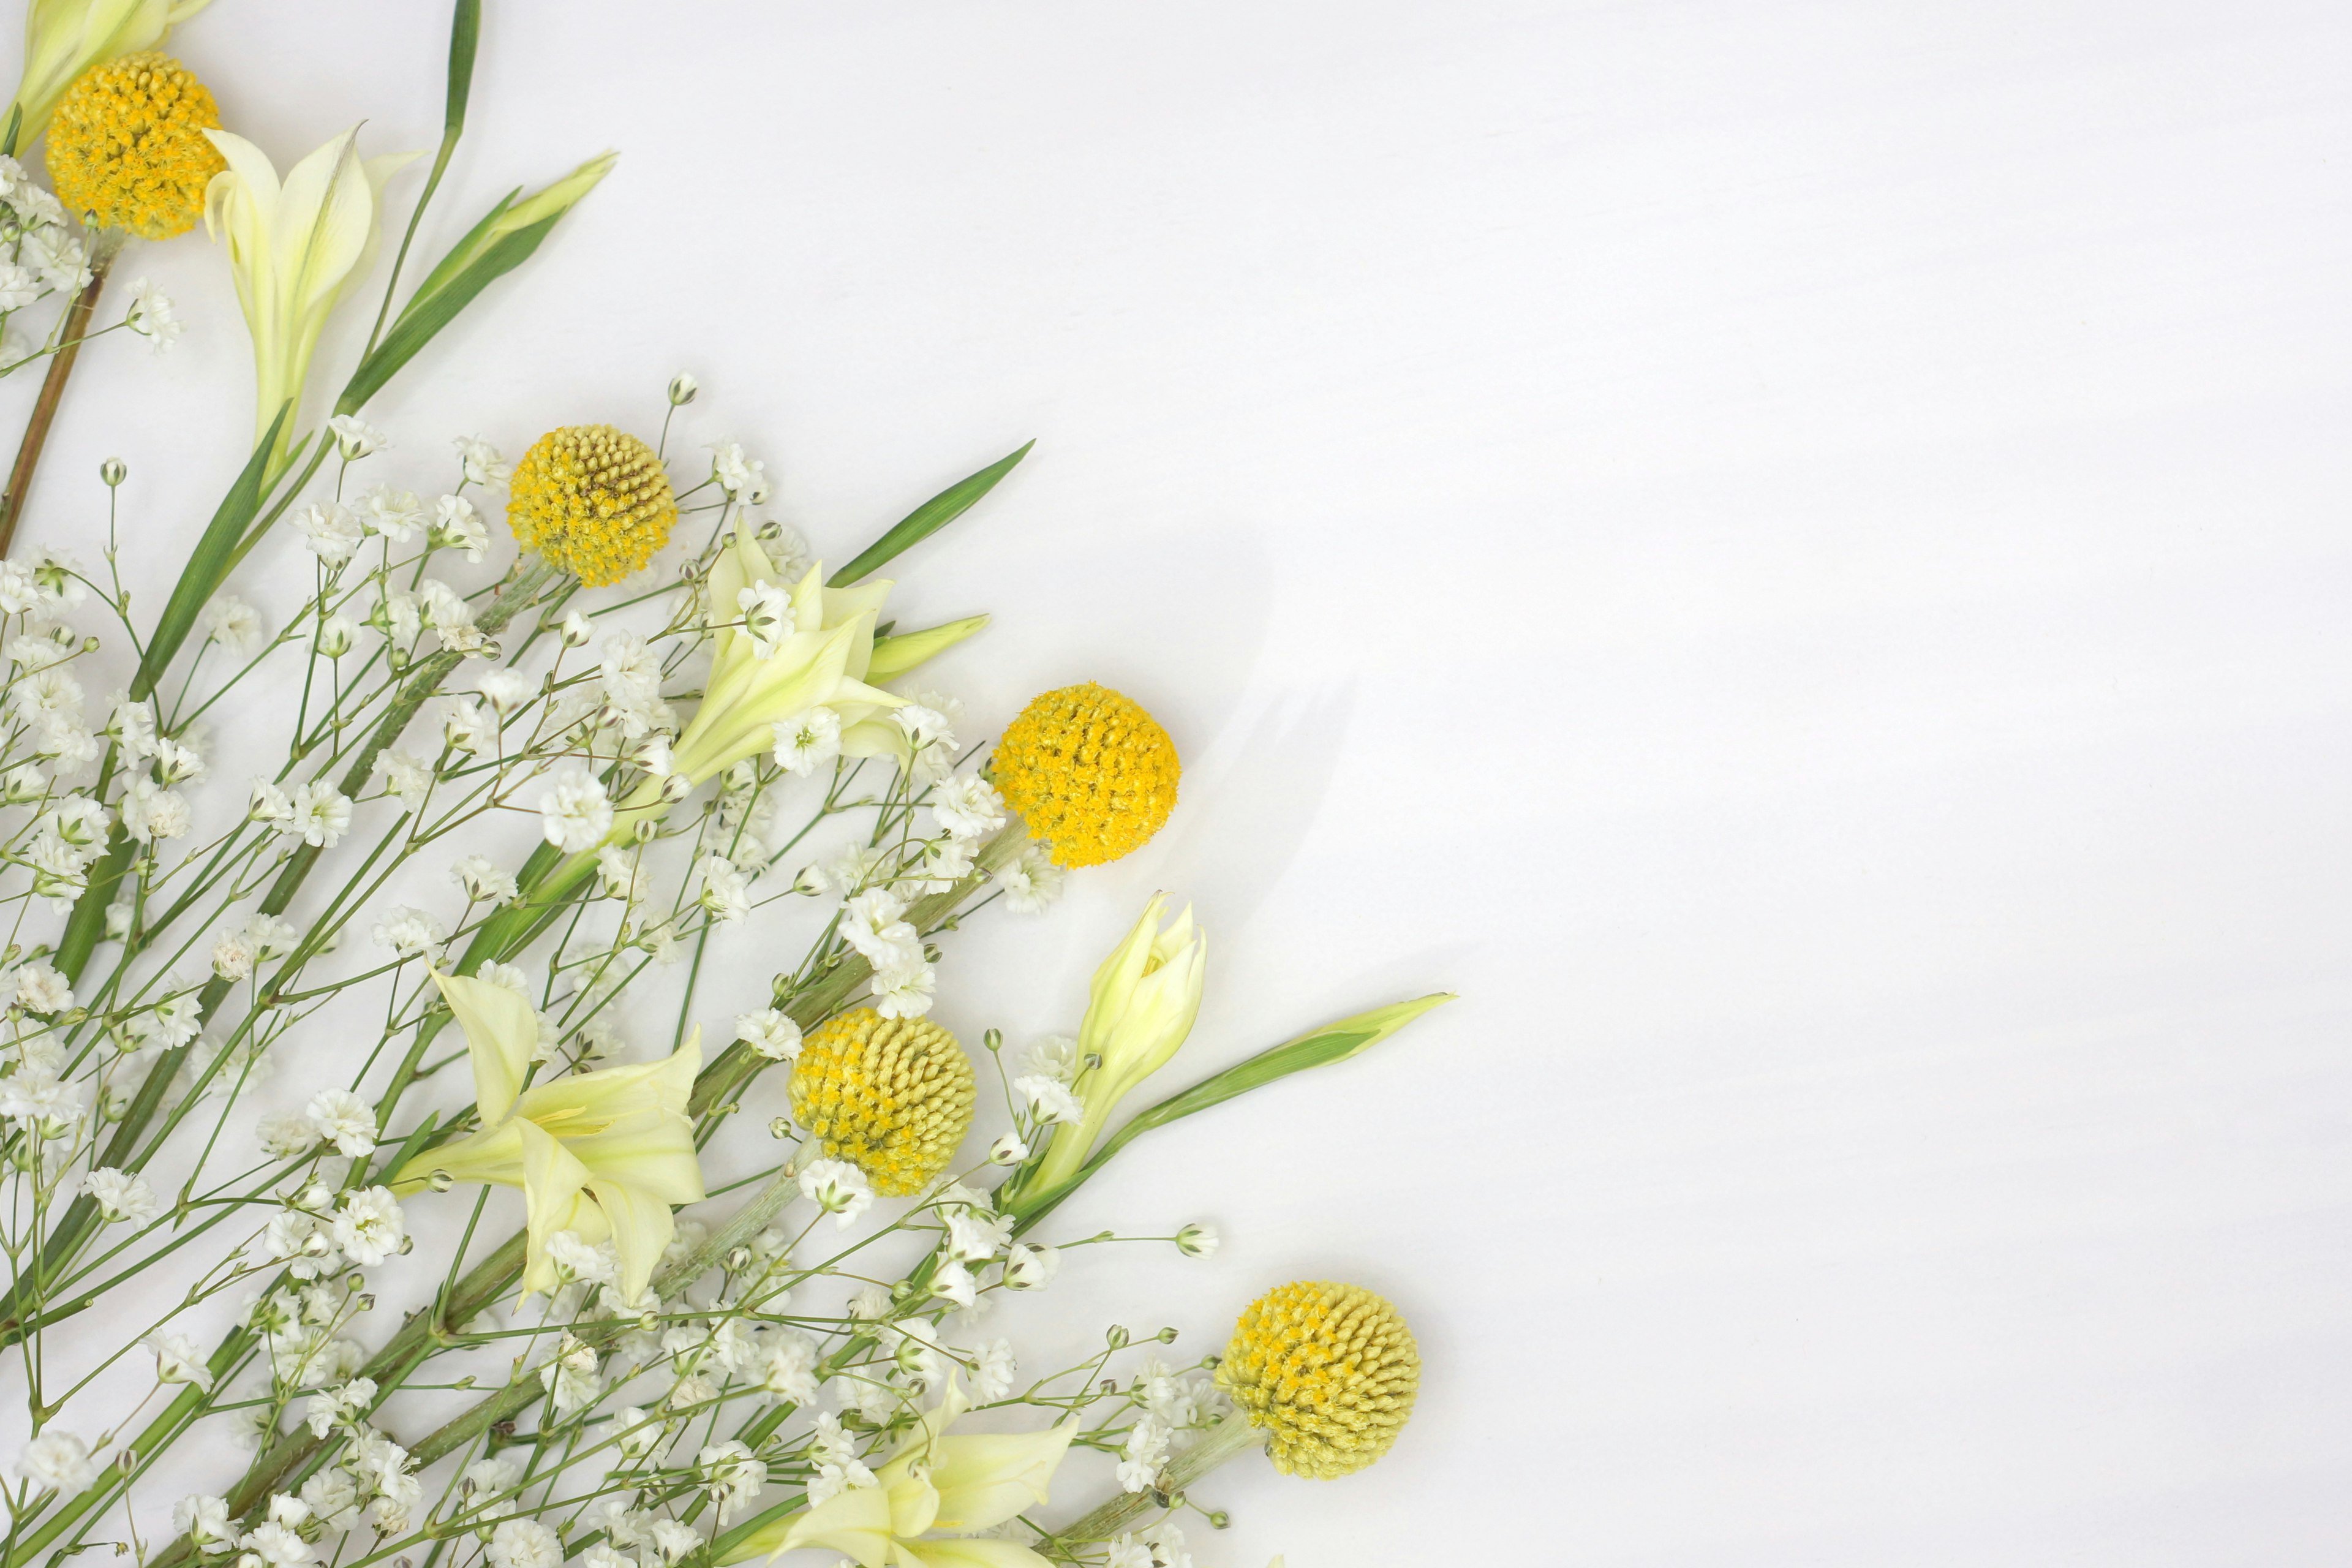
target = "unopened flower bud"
x: 1029, y: 1266
x: 682, y: 389
x: 1167, y: 1336
x: 440, y: 1180
x: 739, y: 1259
x: 675, y: 787
x: 335, y: 637
x: 1008, y: 1150
x: 576, y: 629
x: 1115, y: 1337
x: 1197, y: 1241
x: 112, y: 472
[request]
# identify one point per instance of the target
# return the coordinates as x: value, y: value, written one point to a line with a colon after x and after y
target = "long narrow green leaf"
x: 928, y: 518
x: 209, y: 563
x: 436, y: 304
x: 465, y: 36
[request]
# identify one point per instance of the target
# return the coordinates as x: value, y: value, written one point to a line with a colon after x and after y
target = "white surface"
x: 1793, y: 553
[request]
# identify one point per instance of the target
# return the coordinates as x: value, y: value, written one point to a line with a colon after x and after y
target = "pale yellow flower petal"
x: 970, y: 1554
x: 502, y: 1031
x: 493, y: 1155
x: 642, y: 1229
x: 553, y: 1180
x: 984, y: 1481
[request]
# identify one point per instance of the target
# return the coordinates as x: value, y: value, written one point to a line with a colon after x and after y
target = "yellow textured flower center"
x: 891, y: 1095
x: 128, y: 149
x: 1328, y: 1369
x: 591, y: 499
x: 1090, y: 772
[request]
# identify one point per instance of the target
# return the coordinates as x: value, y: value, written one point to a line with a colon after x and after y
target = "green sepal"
x: 927, y: 519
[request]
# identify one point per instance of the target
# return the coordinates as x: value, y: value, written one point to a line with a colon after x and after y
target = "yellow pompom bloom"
x: 1328, y: 1369
x: 1092, y: 773
x: 891, y: 1095
x: 128, y: 148
x: 591, y: 499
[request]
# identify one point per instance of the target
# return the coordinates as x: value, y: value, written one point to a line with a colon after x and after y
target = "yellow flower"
x: 1144, y: 998
x: 934, y: 1482
x: 602, y: 1154
x: 891, y: 1095
x: 1090, y: 772
x: 63, y: 38
x: 1329, y: 1370
x: 127, y: 148
x: 295, y: 247
x: 593, y: 500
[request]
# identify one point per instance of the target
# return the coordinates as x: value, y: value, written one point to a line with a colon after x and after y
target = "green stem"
x: 1232, y: 1436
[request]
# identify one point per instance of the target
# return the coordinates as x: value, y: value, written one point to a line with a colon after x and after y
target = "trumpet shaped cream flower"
x: 63, y: 38
x: 934, y: 1482
x: 811, y: 648
x: 1144, y: 999
x: 602, y: 1154
x: 295, y: 246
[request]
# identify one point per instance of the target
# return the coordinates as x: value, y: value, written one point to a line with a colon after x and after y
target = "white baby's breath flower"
x: 333, y: 634
x: 41, y: 989
x: 408, y: 778
x: 409, y: 931
x: 620, y: 874
x: 743, y: 478
x: 1030, y: 1266
x: 526, y: 1543
x: 322, y: 814
x: 355, y: 437
x: 726, y: 891
x: 369, y: 1225
x: 574, y: 812
x: 344, y: 1118
x: 483, y: 881
x: 330, y: 530
x: 838, y: 1187
x: 232, y: 622
x: 1030, y: 882
x: 770, y: 1033
x: 457, y: 526
x: 202, y: 1519
x: 177, y: 1359
x: 286, y: 1133
x: 481, y: 462
x: 395, y: 514
x: 508, y: 689
x: 152, y: 813
x: 993, y: 1367
x: 1049, y: 1098
x: 57, y: 1461
x: 233, y: 956
x: 151, y: 315
x: 466, y: 728
x: 790, y: 1370
x: 121, y: 1195
x: 808, y: 741
x: 968, y: 806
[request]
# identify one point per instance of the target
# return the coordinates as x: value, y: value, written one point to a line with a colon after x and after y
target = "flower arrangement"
x: 683, y: 1334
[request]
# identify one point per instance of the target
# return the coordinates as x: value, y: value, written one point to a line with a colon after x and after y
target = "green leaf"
x: 464, y: 35
x: 437, y: 303
x: 928, y: 518
x: 209, y: 563
x: 1334, y: 1042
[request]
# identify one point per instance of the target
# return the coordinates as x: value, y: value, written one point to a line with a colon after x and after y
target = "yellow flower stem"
x: 53, y: 386
x: 1222, y: 1442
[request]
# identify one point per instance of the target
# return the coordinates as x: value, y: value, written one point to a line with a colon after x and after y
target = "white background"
x: 1792, y: 554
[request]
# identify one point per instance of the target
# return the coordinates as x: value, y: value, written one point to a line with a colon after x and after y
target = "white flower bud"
x: 682, y: 389
x: 576, y: 630
x: 1008, y: 1150
x: 1197, y: 1241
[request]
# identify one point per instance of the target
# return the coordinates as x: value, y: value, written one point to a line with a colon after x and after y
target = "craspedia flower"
x: 891, y: 1095
x: 591, y: 499
x: 1092, y: 773
x: 1328, y: 1369
x: 128, y: 148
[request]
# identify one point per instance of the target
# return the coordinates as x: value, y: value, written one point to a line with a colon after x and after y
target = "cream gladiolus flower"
x: 778, y: 650
x: 602, y: 1154
x: 63, y: 38
x: 1144, y: 999
x: 934, y: 1482
x: 295, y: 247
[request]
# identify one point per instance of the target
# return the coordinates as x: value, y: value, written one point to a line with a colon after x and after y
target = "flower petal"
x: 501, y: 1032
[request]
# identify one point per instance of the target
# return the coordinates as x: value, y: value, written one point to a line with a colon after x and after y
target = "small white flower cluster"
x: 1174, y: 1409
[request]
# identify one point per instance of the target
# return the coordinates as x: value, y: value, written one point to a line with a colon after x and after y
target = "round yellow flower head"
x: 1092, y: 773
x: 128, y: 148
x: 891, y: 1095
x: 591, y: 499
x: 1329, y: 1370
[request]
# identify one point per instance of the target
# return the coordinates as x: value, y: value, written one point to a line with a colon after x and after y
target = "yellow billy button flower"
x: 1328, y: 1371
x: 1144, y: 999
x: 1092, y: 773
x: 295, y: 247
x: 933, y: 1483
x: 593, y: 500
x: 64, y: 38
x: 602, y: 1154
x: 127, y: 151
x: 891, y: 1095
